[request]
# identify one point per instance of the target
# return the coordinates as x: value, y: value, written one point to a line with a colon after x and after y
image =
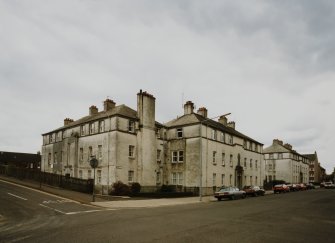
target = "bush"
x: 120, y: 189
x: 168, y: 188
x: 135, y: 188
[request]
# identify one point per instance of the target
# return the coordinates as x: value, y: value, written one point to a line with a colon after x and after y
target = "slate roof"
x: 121, y: 110
x: 276, y: 148
x: 195, y: 118
x: 311, y: 157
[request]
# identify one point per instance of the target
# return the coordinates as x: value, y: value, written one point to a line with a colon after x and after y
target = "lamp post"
x: 201, y: 122
x: 94, y: 164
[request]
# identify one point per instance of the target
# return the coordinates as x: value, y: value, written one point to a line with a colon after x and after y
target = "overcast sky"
x: 269, y: 63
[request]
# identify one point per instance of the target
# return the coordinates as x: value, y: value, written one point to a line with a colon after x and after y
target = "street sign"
x: 94, y: 163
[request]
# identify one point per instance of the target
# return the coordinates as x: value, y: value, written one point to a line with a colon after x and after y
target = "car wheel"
x: 219, y: 198
x: 232, y: 197
x: 255, y: 194
x: 244, y: 196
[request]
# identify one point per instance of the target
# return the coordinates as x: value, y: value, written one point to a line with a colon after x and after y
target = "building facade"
x: 284, y: 163
x: 189, y: 152
x: 314, y: 168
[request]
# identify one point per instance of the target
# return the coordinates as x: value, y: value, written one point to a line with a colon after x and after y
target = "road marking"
x: 52, y: 209
x: 17, y: 196
x: 89, y: 211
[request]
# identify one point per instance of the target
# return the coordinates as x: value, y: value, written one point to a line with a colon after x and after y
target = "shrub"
x: 135, y: 188
x: 120, y: 189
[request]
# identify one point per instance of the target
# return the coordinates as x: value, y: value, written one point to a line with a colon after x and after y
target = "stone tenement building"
x: 314, y: 168
x: 132, y: 147
x: 284, y: 163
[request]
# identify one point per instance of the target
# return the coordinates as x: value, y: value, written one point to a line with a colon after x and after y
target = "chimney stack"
x: 277, y: 141
x: 231, y: 124
x: 288, y: 146
x: 67, y: 121
x: 93, y: 110
x: 202, y: 111
x: 188, y: 108
x: 108, y: 105
x: 223, y: 120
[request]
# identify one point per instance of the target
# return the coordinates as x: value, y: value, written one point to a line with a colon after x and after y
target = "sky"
x: 269, y: 63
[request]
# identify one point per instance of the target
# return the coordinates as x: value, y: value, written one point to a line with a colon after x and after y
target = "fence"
x: 70, y: 183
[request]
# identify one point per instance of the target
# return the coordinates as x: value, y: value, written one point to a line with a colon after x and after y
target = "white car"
x: 329, y: 185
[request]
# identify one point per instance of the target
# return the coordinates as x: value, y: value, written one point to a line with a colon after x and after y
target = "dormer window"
x: 92, y: 128
x: 82, y: 130
x: 179, y: 132
x: 131, y: 126
x: 101, y: 126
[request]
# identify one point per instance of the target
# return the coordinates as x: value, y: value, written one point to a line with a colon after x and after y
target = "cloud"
x: 270, y: 63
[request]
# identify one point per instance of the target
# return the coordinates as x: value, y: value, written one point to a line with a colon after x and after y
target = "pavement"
x: 110, y: 202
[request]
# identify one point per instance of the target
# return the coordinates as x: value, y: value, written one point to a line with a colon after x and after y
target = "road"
x: 307, y: 216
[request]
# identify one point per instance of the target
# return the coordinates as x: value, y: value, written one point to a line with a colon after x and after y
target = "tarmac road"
x: 307, y: 216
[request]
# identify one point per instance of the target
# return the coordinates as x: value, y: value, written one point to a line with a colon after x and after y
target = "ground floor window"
x: 98, y: 176
x: 130, y: 176
x: 177, y: 178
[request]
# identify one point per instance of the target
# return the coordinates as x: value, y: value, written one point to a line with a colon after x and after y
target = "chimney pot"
x: 231, y: 124
x: 108, y: 105
x: 188, y: 108
x: 93, y: 110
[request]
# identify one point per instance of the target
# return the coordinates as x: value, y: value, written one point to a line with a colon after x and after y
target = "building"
x: 132, y: 147
x: 199, y: 147
x: 314, y: 168
x: 284, y: 163
x: 22, y: 160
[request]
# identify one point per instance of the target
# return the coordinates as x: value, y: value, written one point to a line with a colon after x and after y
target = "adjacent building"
x: 22, y: 160
x: 189, y: 152
x: 284, y: 163
x: 314, y: 168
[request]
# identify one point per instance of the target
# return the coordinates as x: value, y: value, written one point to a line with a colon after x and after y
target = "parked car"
x: 230, y: 192
x: 292, y: 187
x: 281, y: 188
x: 253, y: 191
x: 310, y: 186
x: 303, y: 187
x: 329, y: 185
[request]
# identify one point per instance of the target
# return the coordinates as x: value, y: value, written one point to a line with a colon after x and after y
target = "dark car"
x: 310, y: 186
x: 292, y: 187
x: 253, y: 191
x: 230, y: 192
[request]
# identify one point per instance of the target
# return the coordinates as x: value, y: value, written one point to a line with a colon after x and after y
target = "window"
x: 82, y: 130
x: 178, y: 156
x: 244, y: 143
x: 90, y: 152
x: 245, y: 162
x: 92, y: 128
x: 214, y: 134
x: 158, y: 177
x: 223, y: 159
x: 250, y: 163
x: 271, y: 156
x: 256, y: 164
x: 223, y: 179
x: 130, y: 176
x: 101, y: 126
x: 64, y: 134
x: 81, y: 155
x: 55, y: 158
x: 49, y: 159
x: 98, y: 176
x: 131, y: 126
x: 177, y: 178
x: 50, y: 138
x: 231, y: 160
x: 256, y: 147
x: 250, y: 180
x: 89, y: 174
x: 80, y: 174
x: 214, y: 159
x: 280, y: 156
x: 256, y: 181
x: 131, y: 151
x: 250, y: 145
x: 223, y: 137
x: 179, y: 133
x: 231, y: 180
x: 214, y: 179
x: 230, y: 139
x: 159, y: 155
x: 99, y: 152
